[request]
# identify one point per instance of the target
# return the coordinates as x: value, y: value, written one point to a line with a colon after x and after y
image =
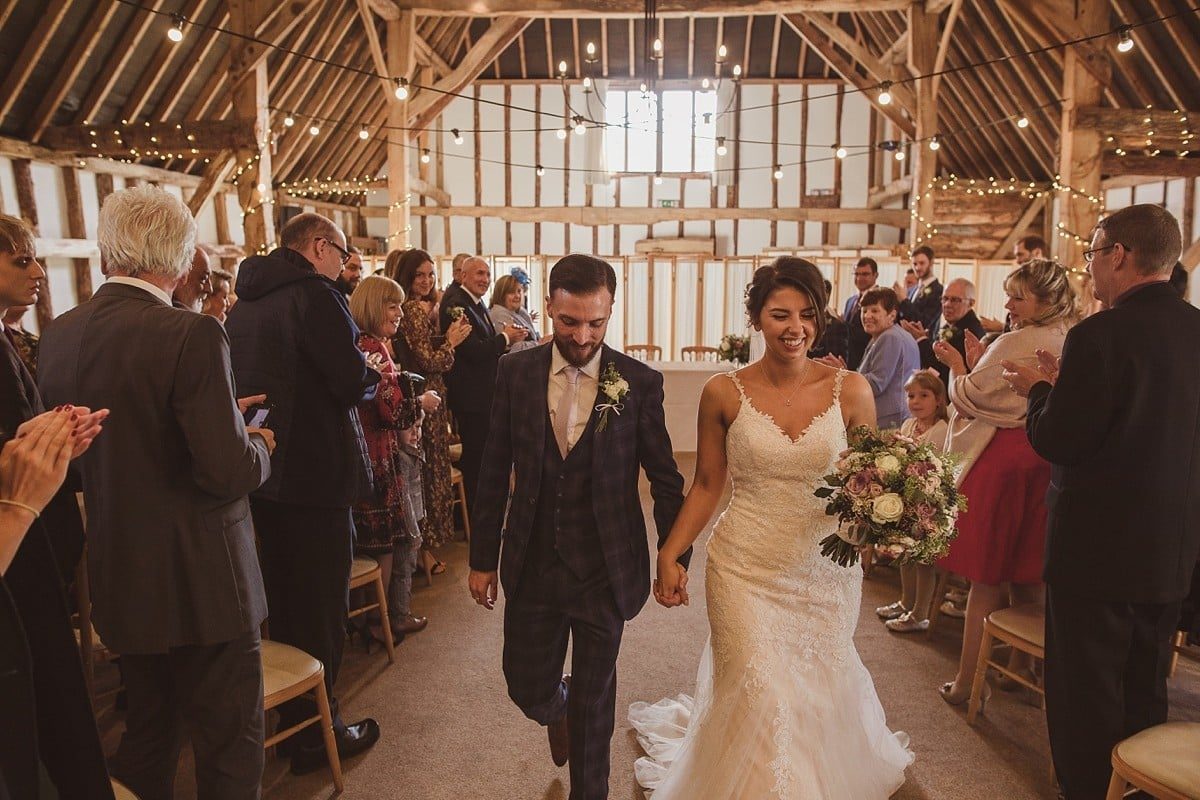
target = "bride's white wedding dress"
x: 784, y: 707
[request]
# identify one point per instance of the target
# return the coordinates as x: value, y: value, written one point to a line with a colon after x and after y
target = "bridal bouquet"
x: 890, y: 491
x: 734, y: 348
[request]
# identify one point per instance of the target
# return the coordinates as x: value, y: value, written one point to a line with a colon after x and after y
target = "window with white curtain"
x: 688, y: 121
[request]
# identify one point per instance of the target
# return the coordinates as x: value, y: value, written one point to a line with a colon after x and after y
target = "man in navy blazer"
x: 574, y: 421
x: 1121, y: 424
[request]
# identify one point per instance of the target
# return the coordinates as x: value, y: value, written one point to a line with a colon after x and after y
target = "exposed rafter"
x: 636, y: 8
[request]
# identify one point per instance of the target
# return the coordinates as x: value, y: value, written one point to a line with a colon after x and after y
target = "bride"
x: 784, y: 707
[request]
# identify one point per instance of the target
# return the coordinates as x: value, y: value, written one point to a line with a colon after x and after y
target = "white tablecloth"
x: 682, y: 384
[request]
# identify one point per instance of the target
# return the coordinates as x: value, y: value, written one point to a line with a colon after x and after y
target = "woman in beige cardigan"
x: 1002, y: 534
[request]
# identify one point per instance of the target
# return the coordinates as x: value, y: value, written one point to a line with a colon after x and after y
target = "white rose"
x: 887, y: 508
x: 887, y: 464
x: 938, y: 466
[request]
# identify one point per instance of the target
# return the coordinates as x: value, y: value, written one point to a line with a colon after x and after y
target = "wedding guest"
x: 197, y: 284
x: 418, y: 346
x: 891, y: 357
x: 456, y: 269
x: 292, y: 338
x: 866, y: 274
x: 922, y: 301
x: 834, y: 339
x: 351, y: 273
x: 1117, y: 418
x: 217, y: 304
x: 1002, y: 533
x: 386, y: 522
x: 473, y: 377
x: 1178, y: 281
x: 508, y: 308
x: 174, y: 577
x: 958, y: 317
x: 1028, y: 248
x: 26, y: 343
x: 927, y: 425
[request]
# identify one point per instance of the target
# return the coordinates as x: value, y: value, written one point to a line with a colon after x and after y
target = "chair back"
x: 644, y: 352
x: 700, y: 353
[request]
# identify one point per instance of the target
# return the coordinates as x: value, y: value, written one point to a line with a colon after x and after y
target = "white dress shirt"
x: 585, y: 398
x: 145, y: 286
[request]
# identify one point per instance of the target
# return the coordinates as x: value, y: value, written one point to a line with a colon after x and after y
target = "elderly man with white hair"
x: 175, y: 582
x: 959, y: 326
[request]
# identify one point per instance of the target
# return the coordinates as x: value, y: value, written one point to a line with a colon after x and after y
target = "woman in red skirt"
x: 1002, y: 534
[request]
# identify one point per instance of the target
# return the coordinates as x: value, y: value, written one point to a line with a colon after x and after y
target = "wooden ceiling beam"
x: 338, y: 140
x: 1167, y: 79
x: 15, y: 149
x: 637, y: 8
x: 1185, y: 43
x: 206, y: 136
x: 157, y: 67
x: 174, y: 93
x: 326, y: 100
x: 49, y: 18
x: 1058, y: 19
x: 609, y: 215
x: 1159, y: 166
x: 117, y: 60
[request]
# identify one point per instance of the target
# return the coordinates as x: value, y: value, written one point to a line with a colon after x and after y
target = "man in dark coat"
x: 958, y: 318
x: 921, y: 302
x: 292, y: 339
x: 866, y: 273
x: 1119, y: 419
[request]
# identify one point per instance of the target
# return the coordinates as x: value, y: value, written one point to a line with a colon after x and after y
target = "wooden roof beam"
x: 205, y: 137
x: 14, y: 148
x: 22, y: 67
x: 1159, y: 166
x: 637, y: 8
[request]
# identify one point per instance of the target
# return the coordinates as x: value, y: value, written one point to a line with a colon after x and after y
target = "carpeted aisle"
x: 449, y: 730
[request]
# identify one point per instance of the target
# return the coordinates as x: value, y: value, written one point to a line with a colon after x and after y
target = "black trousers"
x: 305, y: 553
x: 473, y: 428
x: 1106, y: 679
x: 552, y: 606
x: 215, y: 692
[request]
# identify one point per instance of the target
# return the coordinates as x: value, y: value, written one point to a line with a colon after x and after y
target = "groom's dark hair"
x: 580, y: 274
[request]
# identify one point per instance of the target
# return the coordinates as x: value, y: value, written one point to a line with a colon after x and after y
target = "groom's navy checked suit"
x: 574, y: 562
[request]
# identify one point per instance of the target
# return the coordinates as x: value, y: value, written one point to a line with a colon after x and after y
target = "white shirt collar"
x: 558, y: 363
x: 929, y: 279
x: 145, y: 286
x: 471, y: 294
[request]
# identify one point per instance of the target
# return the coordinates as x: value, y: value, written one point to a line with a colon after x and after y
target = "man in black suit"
x: 958, y: 317
x: 866, y: 273
x: 292, y: 339
x: 1121, y: 424
x: 472, y: 379
x: 922, y: 302
x: 574, y: 560
x: 175, y: 582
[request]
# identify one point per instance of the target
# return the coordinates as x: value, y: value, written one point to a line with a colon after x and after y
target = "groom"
x: 574, y: 562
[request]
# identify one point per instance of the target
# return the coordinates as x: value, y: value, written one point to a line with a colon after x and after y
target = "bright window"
x: 688, y: 130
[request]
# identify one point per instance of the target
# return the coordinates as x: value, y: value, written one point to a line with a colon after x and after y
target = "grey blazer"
x: 171, y: 554
x: 501, y: 316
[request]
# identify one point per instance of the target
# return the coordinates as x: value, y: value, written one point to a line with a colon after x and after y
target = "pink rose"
x: 925, y: 511
x: 875, y: 490
x: 858, y: 483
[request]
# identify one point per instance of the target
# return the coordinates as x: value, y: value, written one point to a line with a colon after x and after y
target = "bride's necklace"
x: 799, y: 381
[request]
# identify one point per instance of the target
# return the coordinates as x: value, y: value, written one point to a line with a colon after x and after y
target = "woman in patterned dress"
x: 420, y: 348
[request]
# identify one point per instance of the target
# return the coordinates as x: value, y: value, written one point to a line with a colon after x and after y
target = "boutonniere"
x: 375, y: 361
x: 614, y: 388
x: 947, y: 333
x: 455, y: 312
x: 926, y: 291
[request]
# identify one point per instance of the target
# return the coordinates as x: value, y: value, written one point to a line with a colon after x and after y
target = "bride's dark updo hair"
x: 792, y: 273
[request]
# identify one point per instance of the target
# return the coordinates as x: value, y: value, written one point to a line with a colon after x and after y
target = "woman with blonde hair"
x: 1001, y: 536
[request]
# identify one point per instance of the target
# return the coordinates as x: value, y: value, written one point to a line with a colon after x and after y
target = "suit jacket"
x: 835, y: 339
x: 857, y: 339
x: 925, y: 308
x: 472, y: 379
x: 954, y: 334
x: 637, y: 437
x: 1122, y: 428
x: 171, y: 553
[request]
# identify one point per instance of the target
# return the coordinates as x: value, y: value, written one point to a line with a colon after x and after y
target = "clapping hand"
x: 948, y: 355
x: 915, y: 329
x: 516, y: 333
x: 1022, y: 377
x: 34, y: 464
x: 670, y: 587
x: 85, y: 424
x: 974, y: 349
x: 831, y: 360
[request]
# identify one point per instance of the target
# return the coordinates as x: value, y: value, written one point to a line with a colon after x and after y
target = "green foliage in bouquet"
x: 734, y: 348
x: 888, y: 490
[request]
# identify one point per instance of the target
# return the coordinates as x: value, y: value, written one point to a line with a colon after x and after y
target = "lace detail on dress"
x: 787, y: 709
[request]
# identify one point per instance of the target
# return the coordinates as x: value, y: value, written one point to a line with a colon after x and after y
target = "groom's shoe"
x: 560, y: 735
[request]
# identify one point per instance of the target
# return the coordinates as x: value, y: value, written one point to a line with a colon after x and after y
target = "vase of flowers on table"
x: 734, y: 348
x: 893, y: 493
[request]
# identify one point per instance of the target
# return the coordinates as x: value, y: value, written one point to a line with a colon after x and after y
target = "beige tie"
x: 564, y: 415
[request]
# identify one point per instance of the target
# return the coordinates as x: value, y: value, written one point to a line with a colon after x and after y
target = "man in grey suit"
x: 175, y: 582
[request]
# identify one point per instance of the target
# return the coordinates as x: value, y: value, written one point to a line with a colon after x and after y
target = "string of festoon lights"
x: 579, y: 124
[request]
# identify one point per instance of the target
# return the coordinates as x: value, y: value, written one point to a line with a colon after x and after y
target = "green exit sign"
x: 667, y: 203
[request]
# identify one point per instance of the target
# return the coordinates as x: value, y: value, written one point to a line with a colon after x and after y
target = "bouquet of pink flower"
x: 891, y: 492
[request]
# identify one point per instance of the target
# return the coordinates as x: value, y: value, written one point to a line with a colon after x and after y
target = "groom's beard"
x: 577, y: 355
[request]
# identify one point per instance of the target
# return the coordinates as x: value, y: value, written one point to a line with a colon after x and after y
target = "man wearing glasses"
x: 292, y: 338
x: 866, y: 273
x: 958, y: 319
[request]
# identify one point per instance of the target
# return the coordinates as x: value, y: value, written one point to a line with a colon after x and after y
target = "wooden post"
x: 922, y: 55
x: 478, y: 173
x: 1081, y: 148
x: 77, y: 230
x: 27, y: 208
x: 400, y: 46
x: 248, y: 77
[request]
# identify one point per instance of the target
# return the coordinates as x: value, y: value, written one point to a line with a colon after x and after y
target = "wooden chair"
x: 939, y: 595
x: 1160, y: 761
x: 287, y: 674
x: 644, y: 352
x: 457, y: 483
x: 91, y: 649
x: 701, y: 353
x: 1180, y: 646
x: 1022, y: 628
x: 365, y: 571
x: 455, y: 452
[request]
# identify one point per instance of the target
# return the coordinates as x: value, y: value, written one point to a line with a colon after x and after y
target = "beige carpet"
x: 449, y: 730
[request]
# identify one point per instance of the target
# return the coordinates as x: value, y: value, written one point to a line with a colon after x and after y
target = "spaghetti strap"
x: 837, y: 385
x: 736, y: 382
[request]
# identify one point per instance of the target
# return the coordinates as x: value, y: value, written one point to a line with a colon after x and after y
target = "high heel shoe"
x: 947, y: 693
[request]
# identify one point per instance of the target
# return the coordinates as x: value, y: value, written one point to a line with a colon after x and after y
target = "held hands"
x: 484, y: 587
x: 670, y: 587
x: 915, y: 329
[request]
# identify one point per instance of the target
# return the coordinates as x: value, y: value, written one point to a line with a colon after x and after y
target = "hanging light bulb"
x: 885, y: 93
x: 591, y: 53
x: 561, y: 133
x: 1023, y: 122
x: 562, y: 69
x: 658, y: 179
x: 778, y: 172
x: 289, y: 121
x: 722, y: 51
x: 364, y: 134
x: 262, y: 187
x: 721, y: 148
x: 657, y: 47
x: 401, y: 88
x: 425, y: 156
x: 839, y: 151
x: 643, y: 88
x: 1124, y: 41
x: 587, y: 83
x: 579, y: 128
x: 704, y: 84
x: 737, y: 71
x: 936, y: 142
x: 899, y: 155
x: 175, y: 32
x: 457, y: 136
x: 540, y: 170
x: 314, y: 129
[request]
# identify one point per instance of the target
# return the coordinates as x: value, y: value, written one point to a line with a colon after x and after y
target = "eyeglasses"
x: 1090, y: 255
x: 953, y: 301
x: 346, y: 255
